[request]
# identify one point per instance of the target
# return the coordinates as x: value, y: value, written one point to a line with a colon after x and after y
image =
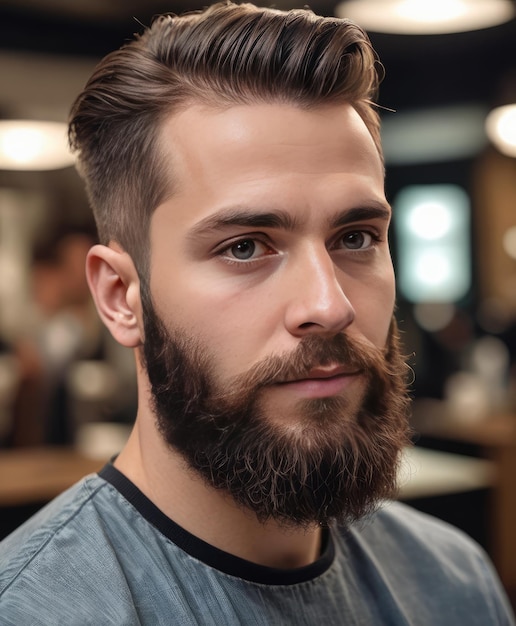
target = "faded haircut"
x: 225, y: 55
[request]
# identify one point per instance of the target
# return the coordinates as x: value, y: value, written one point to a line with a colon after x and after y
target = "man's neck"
x: 207, y: 513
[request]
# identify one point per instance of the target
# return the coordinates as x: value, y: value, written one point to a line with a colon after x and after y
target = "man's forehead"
x: 260, y: 112
x: 208, y: 136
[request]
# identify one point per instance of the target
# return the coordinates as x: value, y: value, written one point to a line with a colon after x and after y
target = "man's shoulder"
x: 398, y: 517
x: 398, y: 526
x: 52, y: 558
x: 426, y: 550
x: 431, y: 567
x: 38, y: 532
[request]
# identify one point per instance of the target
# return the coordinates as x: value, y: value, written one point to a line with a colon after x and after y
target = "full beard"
x: 338, y: 462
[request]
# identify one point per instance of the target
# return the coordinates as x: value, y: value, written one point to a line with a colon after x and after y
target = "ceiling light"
x: 426, y: 16
x: 501, y: 128
x: 33, y: 145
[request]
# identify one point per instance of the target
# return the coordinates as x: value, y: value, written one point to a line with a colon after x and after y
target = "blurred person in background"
x: 61, y: 328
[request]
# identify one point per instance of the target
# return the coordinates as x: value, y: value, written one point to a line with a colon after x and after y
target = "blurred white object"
x: 434, y: 316
x: 426, y: 473
x: 101, y: 440
x: 92, y: 380
x: 490, y: 359
x: 434, y: 134
x: 501, y: 129
x: 467, y: 397
x: 93, y: 386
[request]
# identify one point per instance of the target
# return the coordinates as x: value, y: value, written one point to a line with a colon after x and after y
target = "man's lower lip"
x: 320, y: 387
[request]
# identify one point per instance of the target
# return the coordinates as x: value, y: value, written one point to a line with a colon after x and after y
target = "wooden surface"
x: 29, y: 475
x: 493, y: 431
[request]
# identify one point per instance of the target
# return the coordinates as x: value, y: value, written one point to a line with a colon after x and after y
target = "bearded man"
x: 233, y: 162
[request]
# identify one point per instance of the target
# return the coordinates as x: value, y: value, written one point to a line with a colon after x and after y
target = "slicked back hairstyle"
x: 225, y: 55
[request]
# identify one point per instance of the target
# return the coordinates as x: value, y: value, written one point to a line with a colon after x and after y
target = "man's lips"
x: 322, y: 373
x: 321, y: 382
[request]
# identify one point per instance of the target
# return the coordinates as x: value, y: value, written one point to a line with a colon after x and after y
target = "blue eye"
x: 243, y: 250
x: 357, y: 240
x: 246, y: 251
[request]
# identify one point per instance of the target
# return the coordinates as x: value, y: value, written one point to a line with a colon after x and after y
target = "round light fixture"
x: 424, y: 17
x: 33, y: 145
x: 501, y: 128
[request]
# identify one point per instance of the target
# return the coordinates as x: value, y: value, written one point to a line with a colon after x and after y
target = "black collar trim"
x: 208, y: 554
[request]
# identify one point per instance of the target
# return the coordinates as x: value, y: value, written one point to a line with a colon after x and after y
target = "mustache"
x: 163, y: 356
x: 313, y: 351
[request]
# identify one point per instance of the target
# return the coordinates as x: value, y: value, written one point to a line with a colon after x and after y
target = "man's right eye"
x: 243, y: 250
x: 246, y: 249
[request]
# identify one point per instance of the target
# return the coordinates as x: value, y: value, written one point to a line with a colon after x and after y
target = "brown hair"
x: 227, y: 54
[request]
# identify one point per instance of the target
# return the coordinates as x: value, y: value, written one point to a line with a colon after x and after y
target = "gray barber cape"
x: 102, y: 554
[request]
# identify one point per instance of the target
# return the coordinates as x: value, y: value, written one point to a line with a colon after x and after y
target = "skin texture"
x: 276, y: 231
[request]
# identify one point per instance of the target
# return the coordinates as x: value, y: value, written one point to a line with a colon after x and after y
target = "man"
x: 233, y: 161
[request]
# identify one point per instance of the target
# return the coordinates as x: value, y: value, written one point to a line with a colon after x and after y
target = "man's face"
x: 271, y: 287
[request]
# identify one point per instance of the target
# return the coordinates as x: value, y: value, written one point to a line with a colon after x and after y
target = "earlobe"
x: 115, y: 287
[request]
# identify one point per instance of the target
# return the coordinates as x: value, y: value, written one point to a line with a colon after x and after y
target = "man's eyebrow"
x: 246, y: 219
x: 281, y: 219
x: 374, y: 210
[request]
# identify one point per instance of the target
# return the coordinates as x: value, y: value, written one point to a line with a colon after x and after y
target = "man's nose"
x: 317, y: 302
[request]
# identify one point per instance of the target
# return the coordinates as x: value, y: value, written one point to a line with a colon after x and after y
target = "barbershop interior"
x: 448, y: 108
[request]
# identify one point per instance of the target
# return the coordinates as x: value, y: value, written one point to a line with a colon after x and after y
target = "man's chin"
x: 302, y: 416
x: 302, y: 477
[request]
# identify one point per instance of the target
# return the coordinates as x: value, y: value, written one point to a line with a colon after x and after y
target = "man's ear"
x: 115, y: 286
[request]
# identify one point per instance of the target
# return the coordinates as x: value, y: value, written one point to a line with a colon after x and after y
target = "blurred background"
x: 67, y: 391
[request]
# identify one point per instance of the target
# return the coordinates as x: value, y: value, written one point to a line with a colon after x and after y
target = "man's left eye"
x: 356, y: 240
